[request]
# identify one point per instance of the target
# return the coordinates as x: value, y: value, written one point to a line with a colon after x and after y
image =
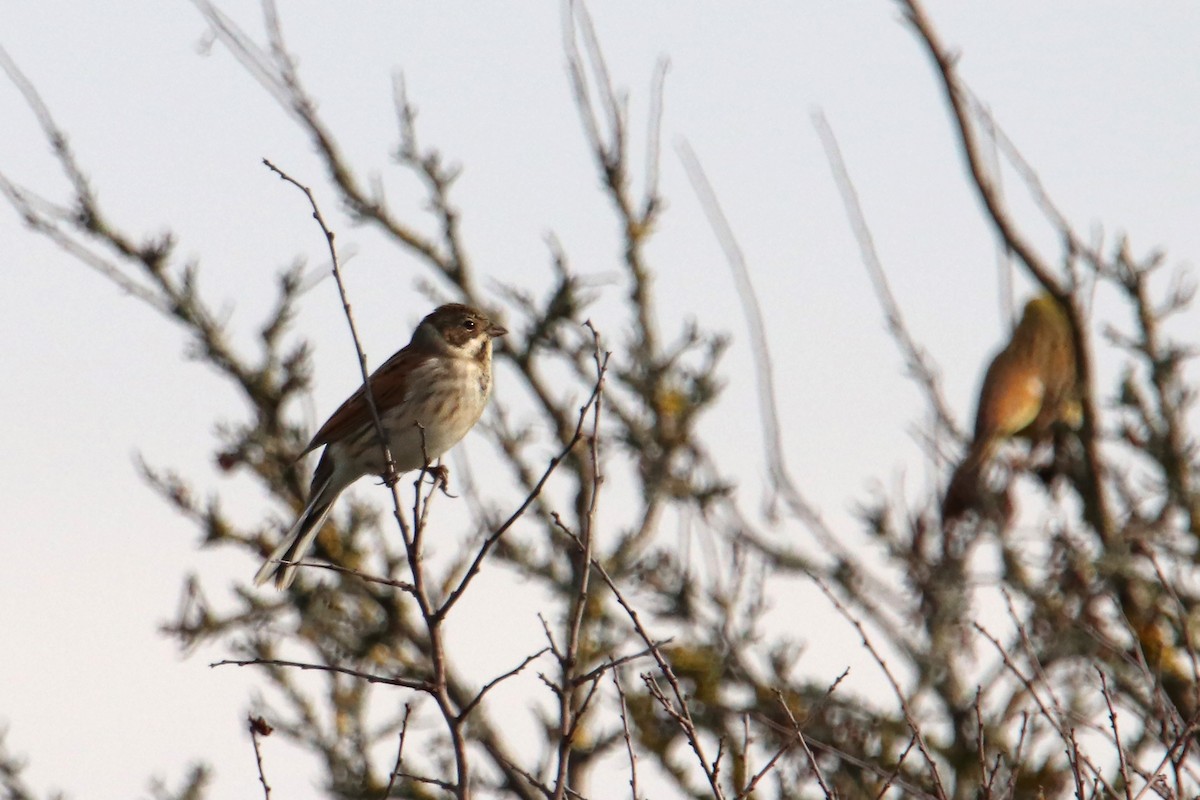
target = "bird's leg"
x: 440, y: 474
x: 389, y: 476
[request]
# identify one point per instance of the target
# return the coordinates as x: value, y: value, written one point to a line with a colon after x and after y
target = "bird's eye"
x: 469, y: 324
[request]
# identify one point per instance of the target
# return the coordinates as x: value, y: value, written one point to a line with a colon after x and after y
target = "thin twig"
x: 457, y: 593
x: 445, y: 786
x: 487, y: 687
x: 1054, y: 717
x: 570, y: 714
x: 1112, y: 721
x: 654, y: 132
x: 678, y: 709
x: 799, y: 736
x: 275, y: 70
x: 404, y: 586
x: 259, y: 727
x: 335, y: 268
x: 399, y: 753
x: 1181, y: 741
x: 407, y: 683
x: 981, y: 746
x: 624, y: 711
x: 919, y: 364
x: 913, y: 725
x: 613, y: 663
x: 895, y: 773
x: 781, y: 477
x: 752, y: 311
x: 1073, y: 758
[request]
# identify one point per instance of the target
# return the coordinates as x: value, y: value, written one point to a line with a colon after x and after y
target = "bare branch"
x: 258, y: 727
x: 454, y: 596
x: 407, y: 683
x: 387, y: 792
x: 913, y: 724
x: 1112, y: 721
x: 496, y: 681
x: 624, y: 712
x: 919, y: 364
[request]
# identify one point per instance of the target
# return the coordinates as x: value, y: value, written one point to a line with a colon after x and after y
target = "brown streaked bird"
x: 1029, y: 386
x: 430, y: 393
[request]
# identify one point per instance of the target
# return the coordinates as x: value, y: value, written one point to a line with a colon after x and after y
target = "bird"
x: 1028, y: 388
x: 428, y: 395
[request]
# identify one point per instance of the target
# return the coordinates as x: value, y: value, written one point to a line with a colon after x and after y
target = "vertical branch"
x: 570, y: 710
x: 753, y: 313
x: 1004, y: 260
x: 1112, y: 721
x: 654, y: 136
x: 438, y: 178
x: 607, y: 137
x: 629, y: 751
x: 777, y: 466
x: 336, y: 269
x: 764, y: 369
x: 259, y: 727
x: 397, y: 769
x: 917, y: 360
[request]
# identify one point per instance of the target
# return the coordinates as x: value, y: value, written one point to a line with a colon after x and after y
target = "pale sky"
x: 1102, y: 98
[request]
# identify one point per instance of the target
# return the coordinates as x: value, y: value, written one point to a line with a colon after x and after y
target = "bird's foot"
x: 441, y: 478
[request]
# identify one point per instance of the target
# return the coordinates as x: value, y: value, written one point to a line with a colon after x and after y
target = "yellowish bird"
x: 1029, y: 386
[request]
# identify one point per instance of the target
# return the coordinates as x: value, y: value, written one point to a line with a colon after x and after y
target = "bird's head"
x: 1043, y: 320
x: 458, y: 330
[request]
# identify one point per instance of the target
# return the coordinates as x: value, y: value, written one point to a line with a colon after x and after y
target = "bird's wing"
x: 389, y: 385
x: 1011, y: 399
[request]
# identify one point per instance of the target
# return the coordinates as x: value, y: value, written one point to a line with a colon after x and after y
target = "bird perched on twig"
x: 1029, y: 386
x: 428, y: 395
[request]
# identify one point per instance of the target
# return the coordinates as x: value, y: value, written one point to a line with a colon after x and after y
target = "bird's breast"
x: 446, y: 397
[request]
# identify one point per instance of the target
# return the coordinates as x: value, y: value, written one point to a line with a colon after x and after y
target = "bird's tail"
x: 964, y: 491
x: 282, y: 561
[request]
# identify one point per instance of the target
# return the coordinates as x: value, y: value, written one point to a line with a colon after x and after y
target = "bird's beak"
x: 495, y: 330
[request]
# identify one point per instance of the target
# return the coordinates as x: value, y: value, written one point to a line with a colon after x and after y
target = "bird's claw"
x: 441, y: 478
